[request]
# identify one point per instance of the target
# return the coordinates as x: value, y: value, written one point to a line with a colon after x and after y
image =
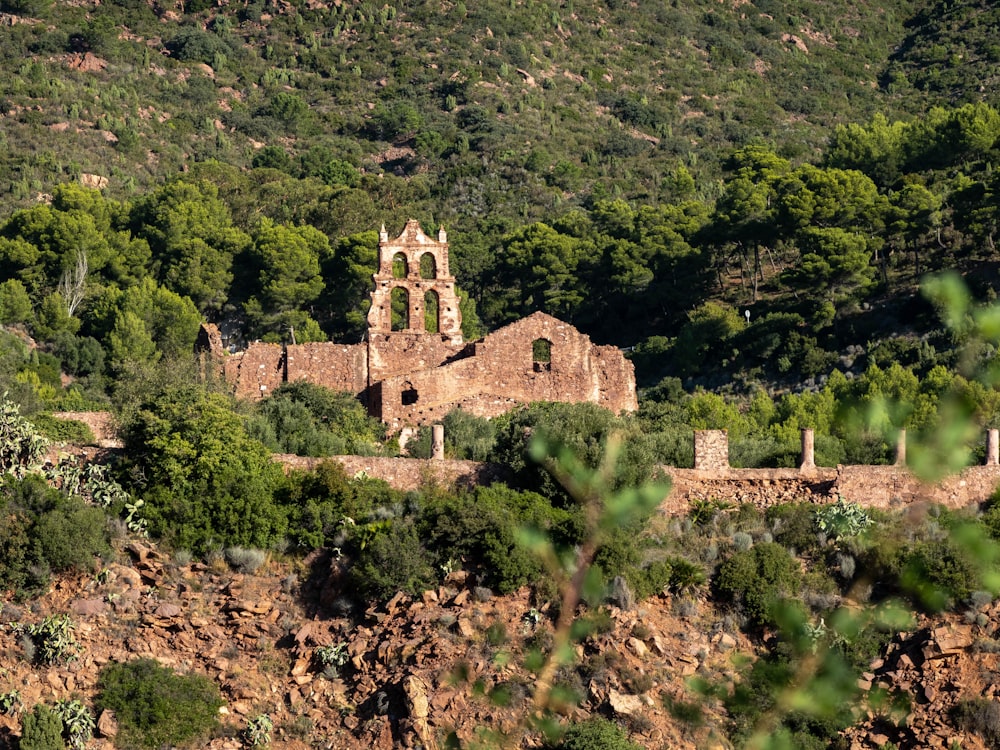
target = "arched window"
x: 400, y: 269
x: 400, y: 309
x: 428, y: 266
x: 431, y: 312
x: 541, y: 355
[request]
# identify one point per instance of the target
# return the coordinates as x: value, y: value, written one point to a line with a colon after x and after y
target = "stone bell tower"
x: 413, y: 278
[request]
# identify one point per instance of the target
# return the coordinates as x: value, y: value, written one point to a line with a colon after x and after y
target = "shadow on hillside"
x: 323, y: 593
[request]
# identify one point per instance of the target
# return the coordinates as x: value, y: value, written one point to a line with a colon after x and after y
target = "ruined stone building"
x: 415, y: 367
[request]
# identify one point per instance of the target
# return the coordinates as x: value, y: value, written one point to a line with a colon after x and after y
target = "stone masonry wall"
x: 398, y: 354
x: 406, y: 473
x: 339, y: 367
x: 499, y: 372
x: 711, y: 449
x: 872, y: 486
x: 884, y: 487
x: 257, y: 371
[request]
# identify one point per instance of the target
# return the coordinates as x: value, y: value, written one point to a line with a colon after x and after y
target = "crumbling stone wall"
x: 407, y: 473
x: 501, y: 371
x: 885, y: 487
x: 414, y: 376
x: 256, y: 372
x: 871, y: 486
x: 339, y: 367
x: 396, y: 354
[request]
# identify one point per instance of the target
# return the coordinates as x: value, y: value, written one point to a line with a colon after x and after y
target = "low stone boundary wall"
x: 713, y: 479
x: 872, y: 486
x: 406, y: 473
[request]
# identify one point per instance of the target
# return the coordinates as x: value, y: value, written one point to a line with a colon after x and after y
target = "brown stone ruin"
x: 889, y: 486
x: 415, y: 367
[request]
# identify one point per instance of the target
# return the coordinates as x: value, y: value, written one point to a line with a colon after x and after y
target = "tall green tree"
x: 207, y: 483
x: 833, y: 264
x: 289, y: 262
x: 915, y: 218
x: 193, y: 240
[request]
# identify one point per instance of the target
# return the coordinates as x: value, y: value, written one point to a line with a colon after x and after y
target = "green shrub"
x: 467, y: 436
x: 756, y: 578
x: 42, y: 729
x: 317, y: 503
x: 650, y: 580
x: 480, y: 528
x: 207, y: 482
x: 393, y: 560
x: 775, y: 672
x: 71, y: 535
x: 939, y: 574
x: 42, y: 530
x: 685, y: 576
x: 64, y: 430
x: 157, y: 707
x: 309, y: 420
x: 794, y: 525
x: 582, y: 429
x: 597, y: 734
x: 51, y: 641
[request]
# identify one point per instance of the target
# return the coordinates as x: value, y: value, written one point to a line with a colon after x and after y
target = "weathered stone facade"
x: 415, y: 368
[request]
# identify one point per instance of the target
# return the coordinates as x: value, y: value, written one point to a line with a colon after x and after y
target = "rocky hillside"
x: 415, y: 670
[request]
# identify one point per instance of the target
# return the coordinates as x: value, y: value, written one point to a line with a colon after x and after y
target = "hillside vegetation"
x: 786, y: 213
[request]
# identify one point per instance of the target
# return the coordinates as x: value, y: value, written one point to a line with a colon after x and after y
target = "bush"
x: 394, y: 560
x: 582, y: 429
x: 245, y: 560
x: 794, y: 525
x: 980, y: 716
x: 64, y: 430
x: 939, y: 574
x: 42, y: 530
x: 157, y: 707
x: 597, y: 734
x: 756, y: 578
x: 480, y: 528
x: 42, y: 730
x: 71, y: 535
x: 318, y: 502
x: 207, y: 482
x: 310, y: 420
x: 467, y: 436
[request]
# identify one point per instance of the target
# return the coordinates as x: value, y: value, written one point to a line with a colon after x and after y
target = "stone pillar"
x: 437, y: 442
x: 901, y: 448
x: 711, y: 449
x: 808, y: 449
x: 992, y: 447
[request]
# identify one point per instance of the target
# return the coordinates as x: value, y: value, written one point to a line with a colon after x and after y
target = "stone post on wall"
x: 992, y: 447
x: 808, y: 449
x: 711, y: 449
x: 437, y: 442
x: 901, y: 448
